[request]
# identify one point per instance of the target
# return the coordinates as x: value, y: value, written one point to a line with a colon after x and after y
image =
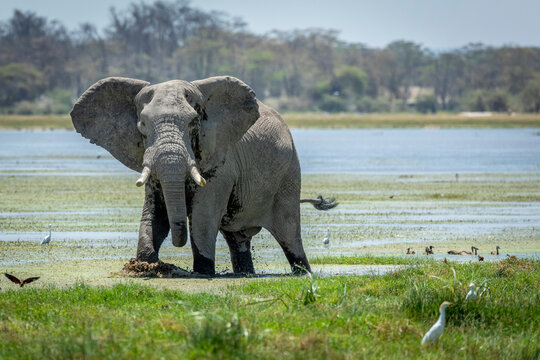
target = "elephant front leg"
x: 154, y: 223
x: 208, y: 207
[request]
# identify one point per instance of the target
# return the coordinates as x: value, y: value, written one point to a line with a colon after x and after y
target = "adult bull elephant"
x: 207, y: 151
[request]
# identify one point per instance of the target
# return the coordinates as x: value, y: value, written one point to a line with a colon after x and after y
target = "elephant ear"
x: 106, y: 114
x: 229, y: 109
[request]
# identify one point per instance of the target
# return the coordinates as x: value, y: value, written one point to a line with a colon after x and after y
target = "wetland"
x: 397, y: 189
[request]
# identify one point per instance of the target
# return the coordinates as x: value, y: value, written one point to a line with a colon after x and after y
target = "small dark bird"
x: 321, y: 203
x: 19, y: 282
x: 391, y: 196
x: 480, y: 258
x: 511, y: 257
x: 429, y: 250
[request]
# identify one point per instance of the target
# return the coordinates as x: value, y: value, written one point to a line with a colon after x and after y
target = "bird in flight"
x: 19, y: 282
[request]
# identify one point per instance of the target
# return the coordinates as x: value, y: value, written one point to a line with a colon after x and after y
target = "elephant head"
x: 171, y: 131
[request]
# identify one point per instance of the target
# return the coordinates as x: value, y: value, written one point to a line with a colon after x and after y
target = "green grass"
x: 441, y: 120
x: 352, y: 317
x: 368, y: 259
x: 53, y: 122
x: 320, y: 120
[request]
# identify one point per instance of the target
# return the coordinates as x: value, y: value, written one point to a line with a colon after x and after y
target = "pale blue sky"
x: 437, y: 24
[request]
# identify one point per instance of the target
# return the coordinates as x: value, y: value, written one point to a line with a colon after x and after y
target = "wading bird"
x: 409, y: 252
x: 326, y: 240
x: 437, y: 329
x: 429, y: 250
x: 471, y: 295
x: 496, y: 252
x: 455, y: 252
x: 19, y: 282
x: 47, y: 239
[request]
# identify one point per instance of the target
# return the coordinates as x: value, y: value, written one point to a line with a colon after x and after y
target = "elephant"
x: 211, y: 156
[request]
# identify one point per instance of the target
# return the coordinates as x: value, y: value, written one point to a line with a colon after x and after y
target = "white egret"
x: 47, y: 239
x: 471, y: 295
x: 326, y: 240
x: 437, y: 329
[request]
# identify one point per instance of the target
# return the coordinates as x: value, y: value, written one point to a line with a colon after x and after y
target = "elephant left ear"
x: 107, y: 115
x: 231, y: 109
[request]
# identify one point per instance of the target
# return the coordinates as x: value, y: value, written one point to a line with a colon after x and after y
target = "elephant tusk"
x: 144, y: 176
x: 196, y: 176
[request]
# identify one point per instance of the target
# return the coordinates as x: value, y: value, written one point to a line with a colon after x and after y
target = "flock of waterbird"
x: 474, y: 251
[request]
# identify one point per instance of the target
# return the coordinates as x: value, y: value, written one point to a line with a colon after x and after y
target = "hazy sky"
x: 437, y: 24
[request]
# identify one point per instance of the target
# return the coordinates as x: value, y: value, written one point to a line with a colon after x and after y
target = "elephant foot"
x: 242, y: 262
x: 300, y: 266
x: 148, y: 256
x: 300, y: 269
x: 239, y: 248
x: 204, y: 266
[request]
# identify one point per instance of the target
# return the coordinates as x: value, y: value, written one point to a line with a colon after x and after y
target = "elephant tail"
x: 321, y: 203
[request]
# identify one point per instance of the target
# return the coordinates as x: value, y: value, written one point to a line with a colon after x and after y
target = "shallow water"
x: 372, y: 226
x: 388, y: 151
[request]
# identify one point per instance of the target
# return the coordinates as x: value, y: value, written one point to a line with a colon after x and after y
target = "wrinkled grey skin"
x: 242, y: 148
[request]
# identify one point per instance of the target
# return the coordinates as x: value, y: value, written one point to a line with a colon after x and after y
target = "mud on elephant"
x: 208, y: 151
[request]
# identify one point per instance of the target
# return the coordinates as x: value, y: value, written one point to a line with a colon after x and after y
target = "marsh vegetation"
x: 366, y: 298
x: 319, y: 318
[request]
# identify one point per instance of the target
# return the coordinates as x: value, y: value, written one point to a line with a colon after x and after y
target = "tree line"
x: 44, y: 67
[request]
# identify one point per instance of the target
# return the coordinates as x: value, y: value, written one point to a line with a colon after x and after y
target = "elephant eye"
x: 142, y: 127
x: 190, y: 100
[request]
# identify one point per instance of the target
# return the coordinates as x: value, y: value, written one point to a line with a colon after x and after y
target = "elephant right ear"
x: 106, y: 114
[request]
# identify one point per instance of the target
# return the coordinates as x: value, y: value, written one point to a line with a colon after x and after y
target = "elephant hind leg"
x: 240, y: 249
x: 285, y: 228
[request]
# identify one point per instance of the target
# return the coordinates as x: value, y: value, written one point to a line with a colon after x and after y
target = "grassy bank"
x: 369, y: 259
x: 351, y: 121
x: 318, y: 120
x: 27, y: 122
x: 336, y: 317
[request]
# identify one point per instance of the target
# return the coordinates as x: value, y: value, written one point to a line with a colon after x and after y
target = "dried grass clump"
x: 136, y: 268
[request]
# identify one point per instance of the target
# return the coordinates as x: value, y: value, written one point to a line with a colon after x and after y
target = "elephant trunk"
x: 171, y: 169
x: 175, y: 201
